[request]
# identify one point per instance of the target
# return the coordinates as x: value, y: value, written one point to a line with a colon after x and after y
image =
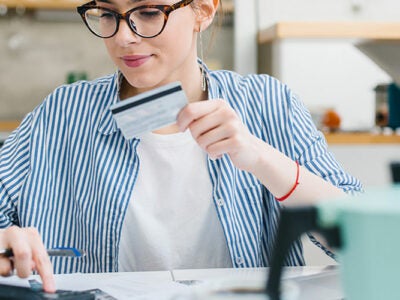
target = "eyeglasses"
x: 146, y: 21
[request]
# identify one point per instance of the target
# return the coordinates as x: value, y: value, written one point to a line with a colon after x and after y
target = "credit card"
x: 150, y: 110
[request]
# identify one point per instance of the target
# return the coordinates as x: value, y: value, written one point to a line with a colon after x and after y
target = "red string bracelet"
x: 294, y: 186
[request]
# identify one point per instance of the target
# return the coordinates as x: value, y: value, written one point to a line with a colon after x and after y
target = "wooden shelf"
x: 357, y: 30
x: 228, y: 6
x: 361, y: 138
x: 332, y: 138
x: 43, y: 4
x: 8, y: 126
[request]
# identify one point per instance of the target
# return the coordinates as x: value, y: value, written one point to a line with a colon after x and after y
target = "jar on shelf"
x: 331, y: 120
x: 381, y: 105
x: 393, y: 96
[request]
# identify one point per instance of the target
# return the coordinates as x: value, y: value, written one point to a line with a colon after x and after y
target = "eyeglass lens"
x: 146, y: 22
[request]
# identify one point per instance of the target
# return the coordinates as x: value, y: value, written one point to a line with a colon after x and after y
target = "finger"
x: 194, y: 111
x: 205, y: 124
x: 29, y: 253
x: 223, y: 122
x: 225, y: 139
x: 6, y: 267
x: 213, y: 136
x: 16, y: 239
x: 42, y: 263
x: 22, y: 259
x: 44, y: 267
x: 218, y: 149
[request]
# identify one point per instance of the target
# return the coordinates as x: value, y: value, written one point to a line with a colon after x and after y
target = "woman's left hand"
x: 218, y: 130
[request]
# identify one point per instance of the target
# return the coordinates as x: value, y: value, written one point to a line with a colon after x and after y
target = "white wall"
x: 245, y: 36
x: 271, y: 11
x: 369, y: 163
x: 325, y: 73
x: 331, y: 73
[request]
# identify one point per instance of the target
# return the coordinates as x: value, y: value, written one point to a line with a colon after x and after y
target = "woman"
x: 160, y: 200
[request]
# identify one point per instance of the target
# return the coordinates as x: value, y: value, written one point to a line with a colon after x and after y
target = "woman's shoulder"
x: 82, y: 93
x: 257, y: 84
x: 80, y: 88
x: 229, y: 77
x: 83, y: 98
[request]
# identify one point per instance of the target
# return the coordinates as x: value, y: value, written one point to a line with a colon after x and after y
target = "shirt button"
x: 239, y: 260
x: 220, y: 202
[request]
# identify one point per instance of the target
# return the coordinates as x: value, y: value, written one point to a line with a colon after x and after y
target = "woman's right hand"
x: 29, y: 254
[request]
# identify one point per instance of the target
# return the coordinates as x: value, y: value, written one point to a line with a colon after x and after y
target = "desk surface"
x: 299, y: 283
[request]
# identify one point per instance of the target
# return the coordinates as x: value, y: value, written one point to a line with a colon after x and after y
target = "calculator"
x: 11, y: 292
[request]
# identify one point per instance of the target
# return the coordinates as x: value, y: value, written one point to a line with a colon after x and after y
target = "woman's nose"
x: 126, y: 35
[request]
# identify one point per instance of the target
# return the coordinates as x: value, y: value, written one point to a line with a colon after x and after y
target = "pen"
x: 71, y: 252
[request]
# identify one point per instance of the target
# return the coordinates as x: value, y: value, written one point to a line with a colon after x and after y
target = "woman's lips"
x: 134, y: 61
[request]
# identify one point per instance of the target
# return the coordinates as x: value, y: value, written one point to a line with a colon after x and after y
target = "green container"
x: 75, y: 76
x: 370, y: 243
x: 364, y: 229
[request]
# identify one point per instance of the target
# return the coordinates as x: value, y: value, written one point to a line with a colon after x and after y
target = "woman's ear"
x: 205, y: 11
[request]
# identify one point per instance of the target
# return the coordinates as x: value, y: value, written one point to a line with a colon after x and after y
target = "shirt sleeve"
x: 14, y: 168
x: 311, y: 150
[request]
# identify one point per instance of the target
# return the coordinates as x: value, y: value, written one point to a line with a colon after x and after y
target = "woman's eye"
x: 106, y: 15
x: 150, y: 13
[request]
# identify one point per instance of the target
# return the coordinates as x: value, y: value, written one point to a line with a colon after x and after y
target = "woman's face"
x: 150, y: 62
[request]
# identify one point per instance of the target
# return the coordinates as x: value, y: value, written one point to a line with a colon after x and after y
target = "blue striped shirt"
x: 68, y: 171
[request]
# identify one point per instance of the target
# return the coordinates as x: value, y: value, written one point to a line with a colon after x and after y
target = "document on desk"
x: 121, y: 286
x: 311, y: 283
x: 125, y: 285
x: 324, y: 285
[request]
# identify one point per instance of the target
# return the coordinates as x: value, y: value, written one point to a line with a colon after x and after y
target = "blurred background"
x: 342, y: 57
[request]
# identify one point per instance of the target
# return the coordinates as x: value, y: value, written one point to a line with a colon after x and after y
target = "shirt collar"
x: 107, y: 124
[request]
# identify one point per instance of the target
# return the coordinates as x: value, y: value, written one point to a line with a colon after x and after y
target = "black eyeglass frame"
x: 165, y: 9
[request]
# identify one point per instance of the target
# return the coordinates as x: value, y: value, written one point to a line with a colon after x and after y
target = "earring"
x: 203, y: 72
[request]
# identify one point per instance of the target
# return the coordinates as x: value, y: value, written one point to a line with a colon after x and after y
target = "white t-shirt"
x: 171, y: 221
